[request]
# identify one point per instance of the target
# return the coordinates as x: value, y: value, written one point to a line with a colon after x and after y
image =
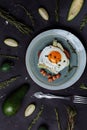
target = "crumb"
x: 26, y: 78
x: 6, y: 22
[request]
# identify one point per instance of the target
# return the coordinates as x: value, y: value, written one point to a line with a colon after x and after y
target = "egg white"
x: 44, y: 62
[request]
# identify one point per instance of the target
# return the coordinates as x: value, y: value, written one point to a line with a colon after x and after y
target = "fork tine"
x: 81, y: 102
x: 80, y: 99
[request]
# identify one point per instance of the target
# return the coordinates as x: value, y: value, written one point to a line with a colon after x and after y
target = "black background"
x: 19, y: 122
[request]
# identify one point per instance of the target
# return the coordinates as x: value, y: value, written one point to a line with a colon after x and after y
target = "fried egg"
x: 53, y: 59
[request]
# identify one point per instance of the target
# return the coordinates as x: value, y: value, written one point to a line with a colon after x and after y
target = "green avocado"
x: 43, y: 127
x: 13, y: 101
x: 6, y: 66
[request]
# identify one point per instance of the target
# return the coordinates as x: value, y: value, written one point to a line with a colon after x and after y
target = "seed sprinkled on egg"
x: 64, y: 61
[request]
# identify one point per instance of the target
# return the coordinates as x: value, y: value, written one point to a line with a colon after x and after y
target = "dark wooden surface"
x: 19, y: 122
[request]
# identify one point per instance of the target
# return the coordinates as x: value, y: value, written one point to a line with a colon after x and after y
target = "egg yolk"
x: 54, y: 57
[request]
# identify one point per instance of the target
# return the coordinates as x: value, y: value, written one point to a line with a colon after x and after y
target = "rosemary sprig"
x: 27, y: 13
x: 57, y: 11
x: 71, y: 117
x: 83, y: 23
x: 57, y: 118
x: 70, y: 68
x: 71, y: 47
x: 36, y: 118
x: 9, y: 56
x: 20, y: 26
x: 83, y: 86
x: 5, y: 83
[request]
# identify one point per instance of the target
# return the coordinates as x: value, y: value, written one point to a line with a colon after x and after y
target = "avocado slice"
x: 75, y: 8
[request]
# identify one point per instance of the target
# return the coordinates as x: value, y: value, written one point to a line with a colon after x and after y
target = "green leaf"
x: 83, y: 86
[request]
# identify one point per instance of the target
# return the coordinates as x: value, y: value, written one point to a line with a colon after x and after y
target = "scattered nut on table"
x: 11, y: 42
x: 29, y: 110
x: 43, y: 13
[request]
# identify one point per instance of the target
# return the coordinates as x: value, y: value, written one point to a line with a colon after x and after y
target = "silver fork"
x: 74, y: 99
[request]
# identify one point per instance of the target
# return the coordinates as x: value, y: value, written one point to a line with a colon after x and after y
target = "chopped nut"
x: 54, y: 77
x: 42, y: 71
x: 50, y: 79
x: 45, y: 73
x: 49, y: 75
x: 58, y: 75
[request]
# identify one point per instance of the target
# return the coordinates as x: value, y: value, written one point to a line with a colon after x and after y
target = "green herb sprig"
x: 5, y: 83
x: 57, y: 11
x: 20, y: 26
x: 71, y: 117
x: 27, y: 13
x: 70, y: 68
x: 58, y: 120
x: 83, y: 86
x: 83, y: 23
x: 9, y: 56
x: 36, y: 118
x: 71, y: 47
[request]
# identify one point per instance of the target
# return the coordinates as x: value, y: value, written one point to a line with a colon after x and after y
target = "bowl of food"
x: 55, y: 59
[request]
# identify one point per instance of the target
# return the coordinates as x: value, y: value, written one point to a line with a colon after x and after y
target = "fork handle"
x: 50, y: 96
